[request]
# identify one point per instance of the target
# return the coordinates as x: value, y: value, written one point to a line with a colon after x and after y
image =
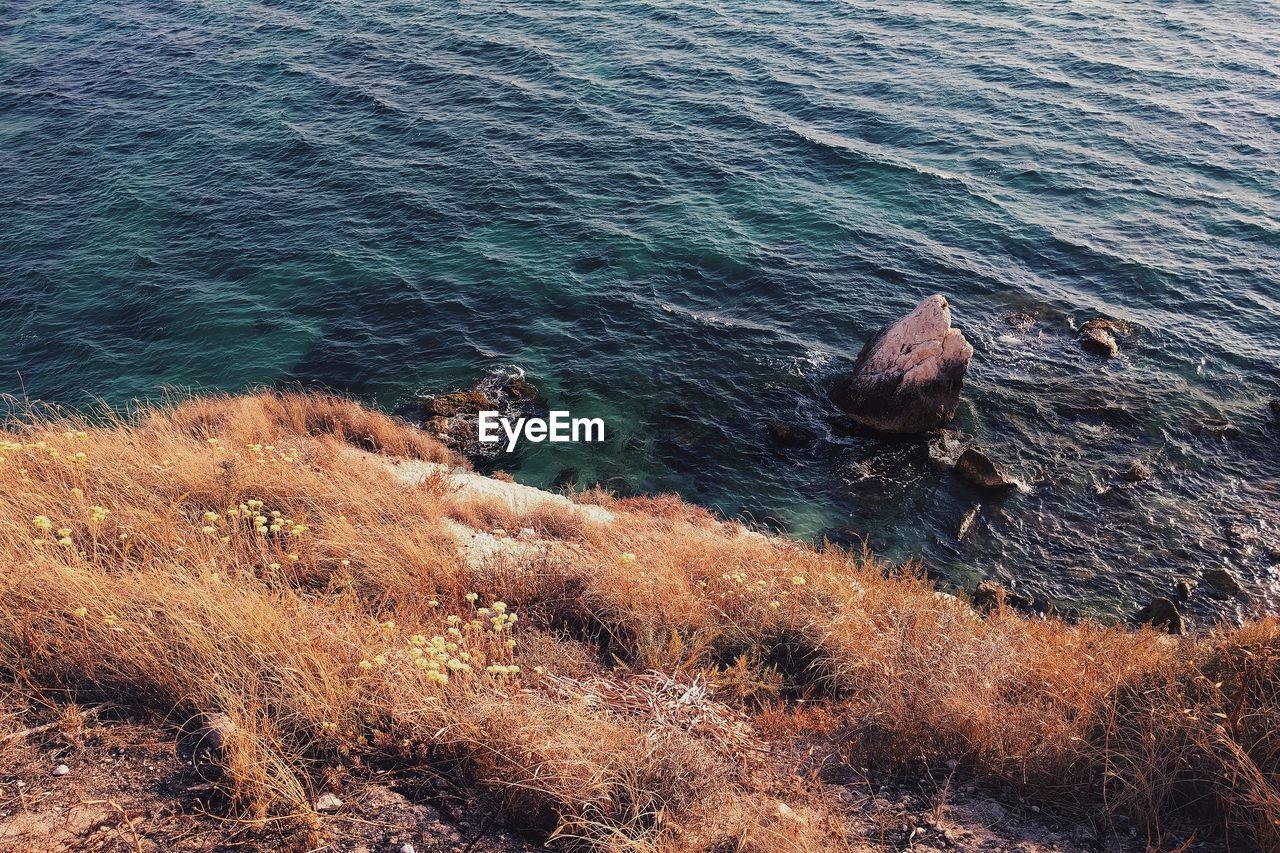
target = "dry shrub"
x: 246, y: 561
x: 1199, y: 737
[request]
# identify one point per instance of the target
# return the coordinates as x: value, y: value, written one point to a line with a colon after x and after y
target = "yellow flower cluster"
x: 482, y: 641
x: 44, y: 524
x: 263, y: 453
x: 44, y: 447
x: 252, y: 515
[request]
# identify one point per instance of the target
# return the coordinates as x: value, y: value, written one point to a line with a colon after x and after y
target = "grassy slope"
x: 326, y: 640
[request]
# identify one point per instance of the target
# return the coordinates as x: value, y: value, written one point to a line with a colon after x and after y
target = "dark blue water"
x: 685, y: 218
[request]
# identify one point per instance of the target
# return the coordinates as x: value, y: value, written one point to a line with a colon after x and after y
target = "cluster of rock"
x: 453, y: 417
x: 1164, y: 613
x: 907, y: 380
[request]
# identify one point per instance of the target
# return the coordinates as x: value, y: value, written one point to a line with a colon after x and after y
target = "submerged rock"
x: 1223, y: 580
x: 976, y: 467
x: 1019, y: 321
x: 1217, y: 427
x: 1136, y: 472
x: 1162, y: 613
x: 784, y: 434
x: 1275, y: 409
x: 908, y: 376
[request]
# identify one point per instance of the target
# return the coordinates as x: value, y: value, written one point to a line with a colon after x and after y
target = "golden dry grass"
x: 351, y: 630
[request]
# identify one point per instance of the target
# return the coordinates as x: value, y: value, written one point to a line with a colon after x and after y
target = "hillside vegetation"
x: 262, y: 570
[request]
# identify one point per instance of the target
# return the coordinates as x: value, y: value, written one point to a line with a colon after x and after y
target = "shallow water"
x: 685, y: 218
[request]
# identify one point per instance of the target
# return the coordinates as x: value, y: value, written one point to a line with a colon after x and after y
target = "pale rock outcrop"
x: 908, y: 377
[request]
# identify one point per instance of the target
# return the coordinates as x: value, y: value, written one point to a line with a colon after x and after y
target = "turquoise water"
x: 685, y: 218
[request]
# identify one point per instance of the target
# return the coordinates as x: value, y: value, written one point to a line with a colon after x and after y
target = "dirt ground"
x: 113, y: 784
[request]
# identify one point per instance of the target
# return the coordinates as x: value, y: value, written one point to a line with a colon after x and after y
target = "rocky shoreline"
x: 907, y: 384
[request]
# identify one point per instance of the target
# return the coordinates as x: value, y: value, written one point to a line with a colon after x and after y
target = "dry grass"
x: 343, y: 633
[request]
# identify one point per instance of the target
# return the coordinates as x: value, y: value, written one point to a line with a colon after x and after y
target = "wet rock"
x: 1099, y: 342
x: 1098, y: 336
x: 1162, y: 613
x: 1275, y: 409
x: 990, y: 595
x: 1222, y: 580
x: 456, y: 403
x: 1020, y: 322
x: 327, y: 802
x: 946, y: 446
x: 784, y: 434
x: 975, y: 467
x: 1136, y: 472
x: 908, y: 376
x: 453, y: 417
x: 1184, y: 588
x: 967, y: 521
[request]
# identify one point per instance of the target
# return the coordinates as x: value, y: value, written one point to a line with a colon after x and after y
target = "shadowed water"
x: 686, y: 218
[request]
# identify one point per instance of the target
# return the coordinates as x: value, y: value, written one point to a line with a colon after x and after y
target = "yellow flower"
x: 380, y: 660
x: 209, y: 516
x: 42, y: 522
x: 798, y: 580
x: 80, y: 612
x: 209, y: 530
x: 66, y: 542
x: 293, y: 558
x: 81, y: 457
x: 471, y: 597
x: 626, y: 558
x: 64, y: 531
x: 433, y: 603
x: 365, y: 665
x: 77, y: 493
x: 99, y: 513
x: 389, y: 625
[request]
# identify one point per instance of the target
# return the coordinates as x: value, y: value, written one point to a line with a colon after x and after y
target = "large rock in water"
x: 907, y: 378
